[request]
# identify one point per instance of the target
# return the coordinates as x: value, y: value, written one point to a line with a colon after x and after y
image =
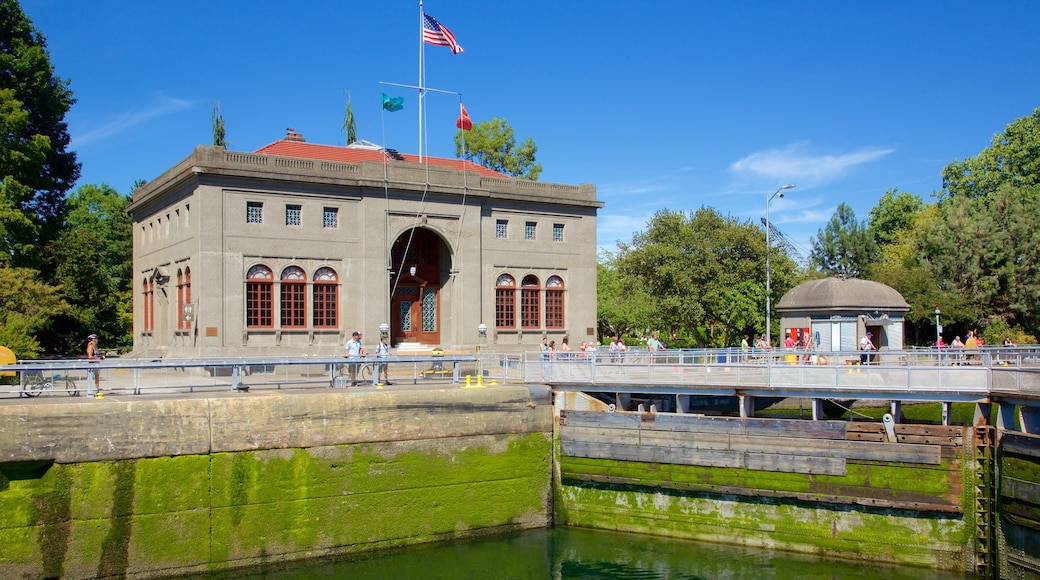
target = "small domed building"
x: 836, y: 312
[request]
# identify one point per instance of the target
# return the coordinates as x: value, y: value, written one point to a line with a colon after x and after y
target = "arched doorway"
x: 416, y: 260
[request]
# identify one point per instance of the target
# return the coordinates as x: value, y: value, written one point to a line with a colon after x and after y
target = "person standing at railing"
x: 973, y: 343
x: 94, y: 355
x: 383, y: 369
x: 866, y: 344
x: 354, y: 351
x: 653, y: 344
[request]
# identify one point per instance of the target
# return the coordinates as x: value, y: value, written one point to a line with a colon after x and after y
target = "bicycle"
x: 364, y: 373
x: 35, y: 384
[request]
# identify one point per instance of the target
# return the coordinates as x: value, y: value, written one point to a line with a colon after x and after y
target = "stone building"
x: 289, y: 249
x: 836, y: 312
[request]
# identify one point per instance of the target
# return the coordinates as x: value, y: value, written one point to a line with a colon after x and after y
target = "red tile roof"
x: 304, y: 150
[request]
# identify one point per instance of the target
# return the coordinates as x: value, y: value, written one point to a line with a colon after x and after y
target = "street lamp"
x: 938, y: 327
x: 777, y: 193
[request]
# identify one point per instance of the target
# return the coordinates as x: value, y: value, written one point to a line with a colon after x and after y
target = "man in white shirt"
x: 354, y: 350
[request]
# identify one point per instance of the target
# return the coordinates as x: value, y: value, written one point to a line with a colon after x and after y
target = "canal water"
x: 570, y: 553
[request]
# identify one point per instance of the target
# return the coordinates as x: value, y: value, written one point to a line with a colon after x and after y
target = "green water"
x: 569, y: 553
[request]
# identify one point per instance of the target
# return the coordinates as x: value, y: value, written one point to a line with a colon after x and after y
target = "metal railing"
x: 240, y: 374
x: 965, y: 374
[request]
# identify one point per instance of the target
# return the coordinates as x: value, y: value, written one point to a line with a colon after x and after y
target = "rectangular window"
x: 557, y: 232
x: 501, y: 229
x: 530, y: 315
x: 259, y: 305
x: 553, y: 308
x: 254, y: 212
x: 325, y: 308
x: 292, y: 215
x: 529, y: 228
x: 330, y: 217
x: 505, y: 308
x: 293, y: 305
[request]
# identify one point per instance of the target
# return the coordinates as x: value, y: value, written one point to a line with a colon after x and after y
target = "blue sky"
x: 674, y: 104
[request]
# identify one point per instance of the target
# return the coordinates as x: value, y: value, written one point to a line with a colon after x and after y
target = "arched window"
x: 505, y: 302
x: 530, y: 301
x: 326, y: 303
x: 259, y: 297
x: 554, y: 302
x: 294, y: 298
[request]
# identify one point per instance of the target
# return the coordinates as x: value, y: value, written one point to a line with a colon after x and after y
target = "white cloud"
x: 163, y: 106
x: 796, y: 164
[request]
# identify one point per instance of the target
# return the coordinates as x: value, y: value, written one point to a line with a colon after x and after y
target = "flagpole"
x: 422, y: 73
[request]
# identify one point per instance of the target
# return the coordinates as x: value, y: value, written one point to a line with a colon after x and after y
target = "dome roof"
x: 834, y: 293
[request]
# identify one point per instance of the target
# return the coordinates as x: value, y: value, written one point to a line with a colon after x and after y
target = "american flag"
x: 437, y: 34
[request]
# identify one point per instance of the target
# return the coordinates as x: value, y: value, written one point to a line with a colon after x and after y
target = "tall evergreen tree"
x: 219, y: 132
x: 845, y: 246
x: 36, y: 170
x: 349, y: 124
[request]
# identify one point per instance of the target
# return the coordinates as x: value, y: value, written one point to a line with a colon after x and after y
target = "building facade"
x: 835, y: 313
x: 290, y: 249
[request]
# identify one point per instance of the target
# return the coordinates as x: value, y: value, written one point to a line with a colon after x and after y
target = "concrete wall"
x: 157, y: 487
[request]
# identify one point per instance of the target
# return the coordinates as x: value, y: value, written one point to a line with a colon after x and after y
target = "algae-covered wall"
x: 829, y: 488
x: 1018, y: 505
x: 281, y: 477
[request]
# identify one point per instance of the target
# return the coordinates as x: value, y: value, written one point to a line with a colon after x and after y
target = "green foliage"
x: 219, y: 132
x: 894, y: 213
x: 623, y: 306
x: 704, y: 276
x: 493, y: 145
x: 845, y: 246
x: 988, y: 250
x: 26, y: 307
x: 35, y: 168
x: 1013, y: 158
x: 349, y: 124
x: 94, y: 257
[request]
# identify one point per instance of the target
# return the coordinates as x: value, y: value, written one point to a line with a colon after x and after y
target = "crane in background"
x: 785, y: 242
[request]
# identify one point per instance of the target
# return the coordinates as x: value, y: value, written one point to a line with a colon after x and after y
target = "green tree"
x: 94, y: 257
x: 27, y: 306
x: 349, y: 124
x: 36, y: 170
x: 902, y: 266
x: 845, y: 246
x: 493, y: 145
x: 219, y: 132
x: 1013, y: 158
x: 623, y: 306
x: 987, y: 250
x: 894, y: 213
x: 704, y: 275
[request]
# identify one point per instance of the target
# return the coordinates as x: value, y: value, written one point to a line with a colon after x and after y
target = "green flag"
x: 392, y: 103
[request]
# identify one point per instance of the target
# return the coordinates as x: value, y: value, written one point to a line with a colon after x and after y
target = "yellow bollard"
x: 467, y: 380
x: 480, y: 381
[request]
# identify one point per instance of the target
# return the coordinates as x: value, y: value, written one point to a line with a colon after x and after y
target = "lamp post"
x: 938, y: 327
x: 769, y: 306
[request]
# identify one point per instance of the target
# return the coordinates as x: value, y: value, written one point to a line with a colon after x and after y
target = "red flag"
x: 464, y: 123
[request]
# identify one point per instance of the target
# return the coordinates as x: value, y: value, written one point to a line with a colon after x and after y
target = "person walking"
x: 383, y: 368
x: 354, y: 351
